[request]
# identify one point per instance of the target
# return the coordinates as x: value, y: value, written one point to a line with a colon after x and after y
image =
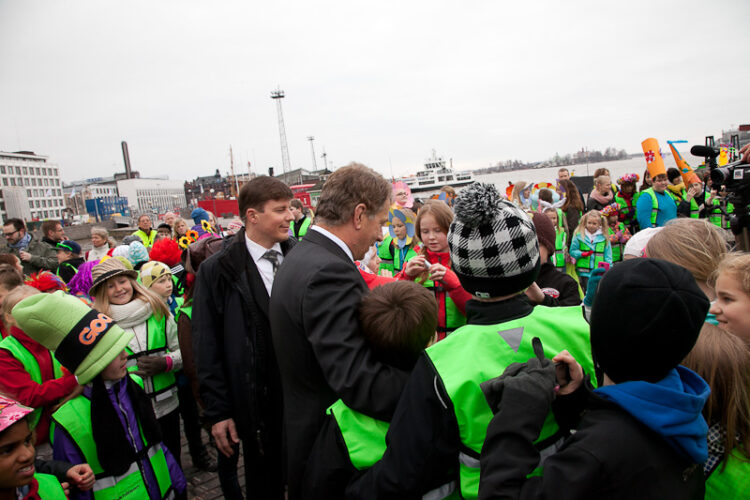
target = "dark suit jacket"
x: 237, y: 371
x: 321, y: 352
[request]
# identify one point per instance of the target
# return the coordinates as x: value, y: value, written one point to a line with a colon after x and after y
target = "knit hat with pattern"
x: 152, y: 271
x: 493, y: 244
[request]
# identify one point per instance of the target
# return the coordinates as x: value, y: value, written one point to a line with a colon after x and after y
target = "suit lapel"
x: 319, y: 239
x: 257, y: 287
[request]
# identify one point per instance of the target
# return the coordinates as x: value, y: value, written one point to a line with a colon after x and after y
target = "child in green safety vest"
x: 626, y: 199
x: 617, y: 231
x: 350, y: 441
x: 561, y: 239
x: 21, y: 476
x: 718, y: 209
x: 437, y: 432
x: 68, y: 258
x: 154, y: 350
x: 589, y: 246
x: 400, y: 246
x: 432, y: 267
x: 641, y: 433
x: 111, y: 426
x: 30, y: 373
x: 724, y: 361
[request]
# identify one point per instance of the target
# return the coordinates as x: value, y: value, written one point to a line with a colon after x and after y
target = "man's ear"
x: 360, y: 212
x: 251, y: 216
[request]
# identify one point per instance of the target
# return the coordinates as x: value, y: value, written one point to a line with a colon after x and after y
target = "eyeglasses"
x: 10, y: 234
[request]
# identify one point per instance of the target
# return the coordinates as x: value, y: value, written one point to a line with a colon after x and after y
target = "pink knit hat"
x: 11, y: 411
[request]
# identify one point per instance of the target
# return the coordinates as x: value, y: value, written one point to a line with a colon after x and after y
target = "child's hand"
x: 416, y: 266
x: 437, y: 272
x: 386, y: 272
x: 148, y: 366
x: 576, y: 373
x: 82, y: 476
x: 587, y: 253
x: 535, y: 294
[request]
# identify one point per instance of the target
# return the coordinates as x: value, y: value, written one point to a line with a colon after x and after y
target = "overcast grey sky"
x: 378, y: 82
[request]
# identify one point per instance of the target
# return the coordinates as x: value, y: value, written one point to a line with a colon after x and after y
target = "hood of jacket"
x: 671, y: 407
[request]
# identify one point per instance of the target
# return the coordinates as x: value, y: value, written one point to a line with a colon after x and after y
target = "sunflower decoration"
x: 190, y: 237
x: 207, y: 227
x: 405, y: 217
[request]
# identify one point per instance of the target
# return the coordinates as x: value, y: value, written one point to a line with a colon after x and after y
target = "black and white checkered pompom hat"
x: 493, y: 244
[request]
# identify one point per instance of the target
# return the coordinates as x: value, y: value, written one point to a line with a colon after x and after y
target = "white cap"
x: 638, y: 242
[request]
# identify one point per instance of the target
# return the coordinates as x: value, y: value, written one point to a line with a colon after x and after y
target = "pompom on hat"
x: 11, y: 411
x: 84, y: 340
x: 152, y: 271
x: 108, y: 269
x: 493, y: 244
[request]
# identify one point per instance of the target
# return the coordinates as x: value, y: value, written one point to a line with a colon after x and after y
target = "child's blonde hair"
x: 562, y: 222
x: 13, y: 298
x: 736, y: 264
x: 159, y: 308
x: 518, y: 188
x: 695, y: 244
x: 581, y: 229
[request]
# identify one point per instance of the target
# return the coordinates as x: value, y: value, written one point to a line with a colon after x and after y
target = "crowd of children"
x: 515, y: 389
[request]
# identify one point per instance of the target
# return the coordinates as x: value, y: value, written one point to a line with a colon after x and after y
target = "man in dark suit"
x: 321, y: 351
x: 238, y: 375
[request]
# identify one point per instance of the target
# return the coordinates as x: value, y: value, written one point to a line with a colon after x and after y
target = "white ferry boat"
x: 436, y: 175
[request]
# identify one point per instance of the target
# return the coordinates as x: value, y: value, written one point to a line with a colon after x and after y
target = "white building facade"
x: 40, y: 180
x: 152, y: 195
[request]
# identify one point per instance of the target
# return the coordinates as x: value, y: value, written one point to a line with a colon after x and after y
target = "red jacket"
x: 17, y: 383
x: 373, y: 280
x: 450, y: 285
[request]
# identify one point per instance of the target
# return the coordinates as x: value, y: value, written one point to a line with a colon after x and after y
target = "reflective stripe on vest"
x: 49, y: 487
x: 31, y: 365
x: 558, y: 260
x: 694, y: 209
x: 156, y: 344
x: 491, y: 348
x: 454, y: 318
x: 732, y: 481
x: 586, y: 262
x: 654, y: 205
x: 364, y: 436
x: 75, y: 417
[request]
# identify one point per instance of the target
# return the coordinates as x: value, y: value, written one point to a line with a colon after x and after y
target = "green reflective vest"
x: 654, y: 205
x: 147, y: 239
x: 627, y: 209
x: 732, y: 480
x: 561, y: 240
x: 715, y: 216
x: 454, y: 318
x: 299, y: 231
x: 49, y: 487
x: 31, y: 365
x: 186, y: 310
x: 156, y: 345
x: 476, y: 353
x: 364, y: 436
x: 75, y: 417
x: 587, y: 263
x: 616, y: 247
x: 390, y: 255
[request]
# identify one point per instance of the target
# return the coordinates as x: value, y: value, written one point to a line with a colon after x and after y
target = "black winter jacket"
x: 234, y: 356
x: 611, y: 455
x: 566, y: 287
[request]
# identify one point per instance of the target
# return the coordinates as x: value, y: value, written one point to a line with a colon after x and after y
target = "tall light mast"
x: 278, y: 95
x: 231, y: 165
x: 312, y: 147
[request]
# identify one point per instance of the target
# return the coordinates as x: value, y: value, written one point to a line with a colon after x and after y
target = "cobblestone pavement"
x: 205, y: 485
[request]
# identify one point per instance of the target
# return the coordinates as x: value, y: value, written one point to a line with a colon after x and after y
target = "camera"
x: 735, y: 176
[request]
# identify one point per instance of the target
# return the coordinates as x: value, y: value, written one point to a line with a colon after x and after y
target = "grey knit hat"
x: 493, y: 244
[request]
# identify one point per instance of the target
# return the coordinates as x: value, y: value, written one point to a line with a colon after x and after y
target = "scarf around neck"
x: 22, y: 243
x: 133, y: 313
x: 603, y: 199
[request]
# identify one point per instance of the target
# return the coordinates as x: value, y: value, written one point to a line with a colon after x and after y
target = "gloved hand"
x: 536, y: 376
x: 148, y: 366
x: 587, y: 253
x: 594, y: 278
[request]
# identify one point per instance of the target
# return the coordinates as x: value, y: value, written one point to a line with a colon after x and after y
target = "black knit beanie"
x: 493, y: 244
x: 646, y: 317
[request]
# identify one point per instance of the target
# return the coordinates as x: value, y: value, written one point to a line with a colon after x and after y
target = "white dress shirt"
x: 265, y: 268
x: 333, y: 238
